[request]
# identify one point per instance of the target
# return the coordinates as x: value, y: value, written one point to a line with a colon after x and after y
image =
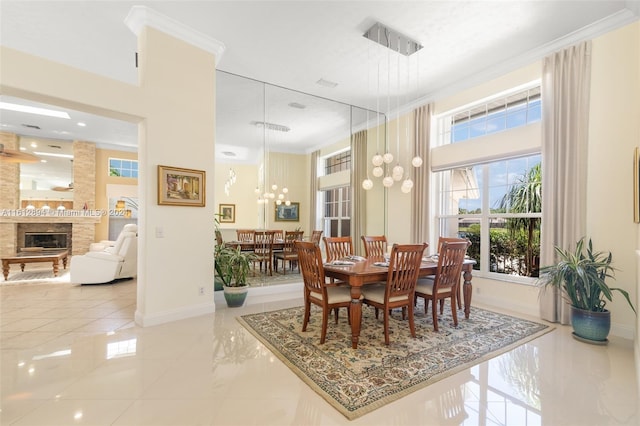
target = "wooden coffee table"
x: 24, y: 257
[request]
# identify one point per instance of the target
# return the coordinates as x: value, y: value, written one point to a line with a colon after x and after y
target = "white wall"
x: 614, y: 132
x: 171, y: 269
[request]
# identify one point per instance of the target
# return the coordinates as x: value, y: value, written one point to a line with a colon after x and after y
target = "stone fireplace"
x: 45, y: 235
x: 79, y: 229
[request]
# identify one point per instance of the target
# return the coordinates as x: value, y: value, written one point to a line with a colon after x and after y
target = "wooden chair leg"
x: 434, y: 314
x: 454, y: 312
x: 386, y: 327
x: 325, y: 319
x: 307, y: 312
x: 412, y: 324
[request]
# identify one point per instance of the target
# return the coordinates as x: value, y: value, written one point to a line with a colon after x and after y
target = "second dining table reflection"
x: 358, y: 273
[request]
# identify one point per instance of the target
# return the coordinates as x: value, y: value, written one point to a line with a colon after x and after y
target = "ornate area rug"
x: 358, y: 381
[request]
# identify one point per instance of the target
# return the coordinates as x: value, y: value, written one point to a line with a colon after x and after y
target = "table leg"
x: 355, y: 315
x: 64, y: 262
x: 55, y: 268
x: 5, y: 269
x: 467, y: 290
x: 22, y: 267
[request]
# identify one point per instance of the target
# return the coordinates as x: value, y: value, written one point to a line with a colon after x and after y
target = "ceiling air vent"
x: 31, y: 126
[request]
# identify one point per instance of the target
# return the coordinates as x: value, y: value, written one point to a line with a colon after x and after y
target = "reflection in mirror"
x: 267, y: 138
x: 50, y: 181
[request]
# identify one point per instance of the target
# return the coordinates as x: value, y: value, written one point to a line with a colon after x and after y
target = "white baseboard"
x: 266, y: 294
x: 174, y: 315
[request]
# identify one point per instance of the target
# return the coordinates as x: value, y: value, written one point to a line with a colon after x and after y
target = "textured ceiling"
x: 293, y: 44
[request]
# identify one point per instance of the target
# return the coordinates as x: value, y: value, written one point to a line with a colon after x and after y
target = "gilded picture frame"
x: 181, y: 187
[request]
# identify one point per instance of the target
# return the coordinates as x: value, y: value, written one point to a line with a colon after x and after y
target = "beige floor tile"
x: 110, y: 371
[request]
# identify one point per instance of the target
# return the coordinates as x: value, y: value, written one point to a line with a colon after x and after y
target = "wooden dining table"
x: 365, y: 272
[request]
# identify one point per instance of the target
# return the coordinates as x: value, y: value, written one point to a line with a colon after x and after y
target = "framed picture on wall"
x: 181, y: 187
x: 227, y: 213
x: 289, y: 213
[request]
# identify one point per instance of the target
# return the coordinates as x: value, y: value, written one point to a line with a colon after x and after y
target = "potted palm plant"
x: 233, y: 266
x: 581, y: 276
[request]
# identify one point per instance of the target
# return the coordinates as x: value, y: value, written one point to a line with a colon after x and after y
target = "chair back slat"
x: 263, y: 243
x: 310, y: 263
x: 245, y: 235
x: 450, y: 260
x: 338, y: 247
x: 290, y: 237
x: 404, y: 267
x: 316, y: 236
x: 374, y: 246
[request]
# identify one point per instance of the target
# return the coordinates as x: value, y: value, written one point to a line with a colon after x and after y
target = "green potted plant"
x: 233, y: 266
x: 581, y: 276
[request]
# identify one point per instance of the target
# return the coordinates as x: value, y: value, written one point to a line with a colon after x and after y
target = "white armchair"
x: 103, y: 244
x: 112, y: 263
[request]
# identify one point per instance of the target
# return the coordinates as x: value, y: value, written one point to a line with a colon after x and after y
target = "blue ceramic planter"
x: 591, y: 326
x: 235, y: 296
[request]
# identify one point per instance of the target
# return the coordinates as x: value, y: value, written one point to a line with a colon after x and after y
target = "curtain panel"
x: 359, y: 196
x: 313, y: 197
x: 566, y: 79
x: 420, y: 194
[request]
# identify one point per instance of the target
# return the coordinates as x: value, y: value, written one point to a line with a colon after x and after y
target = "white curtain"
x: 313, y: 191
x: 359, y: 196
x: 420, y: 194
x: 566, y: 78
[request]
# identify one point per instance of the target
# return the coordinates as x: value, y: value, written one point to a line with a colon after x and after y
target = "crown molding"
x: 141, y: 16
x: 605, y: 25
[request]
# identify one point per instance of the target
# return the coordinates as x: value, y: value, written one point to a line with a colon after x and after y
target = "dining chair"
x: 316, y: 236
x: 338, y: 247
x: 451, y: 240
x: 263, y: 250
x: 374, y: 246
x: 289, y: 252
x: 278, y: 234
x: 404, y: 266
x: 316, y: 289
x: 446, y: 280
x: 245, y: 235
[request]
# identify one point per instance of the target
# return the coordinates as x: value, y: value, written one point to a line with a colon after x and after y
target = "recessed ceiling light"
x: 81, y: 124
x: 34, y: 145
x: 34, y: 110
x: 43, y: 161
x: 326, y: 83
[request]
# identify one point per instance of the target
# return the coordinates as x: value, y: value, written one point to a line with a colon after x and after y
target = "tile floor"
x: 72, y: 355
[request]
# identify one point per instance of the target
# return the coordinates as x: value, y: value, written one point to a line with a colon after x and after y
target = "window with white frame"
x: 337, y: 212
x: 496, y: 201
x: 338, y: 162
x: 123, y: 167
